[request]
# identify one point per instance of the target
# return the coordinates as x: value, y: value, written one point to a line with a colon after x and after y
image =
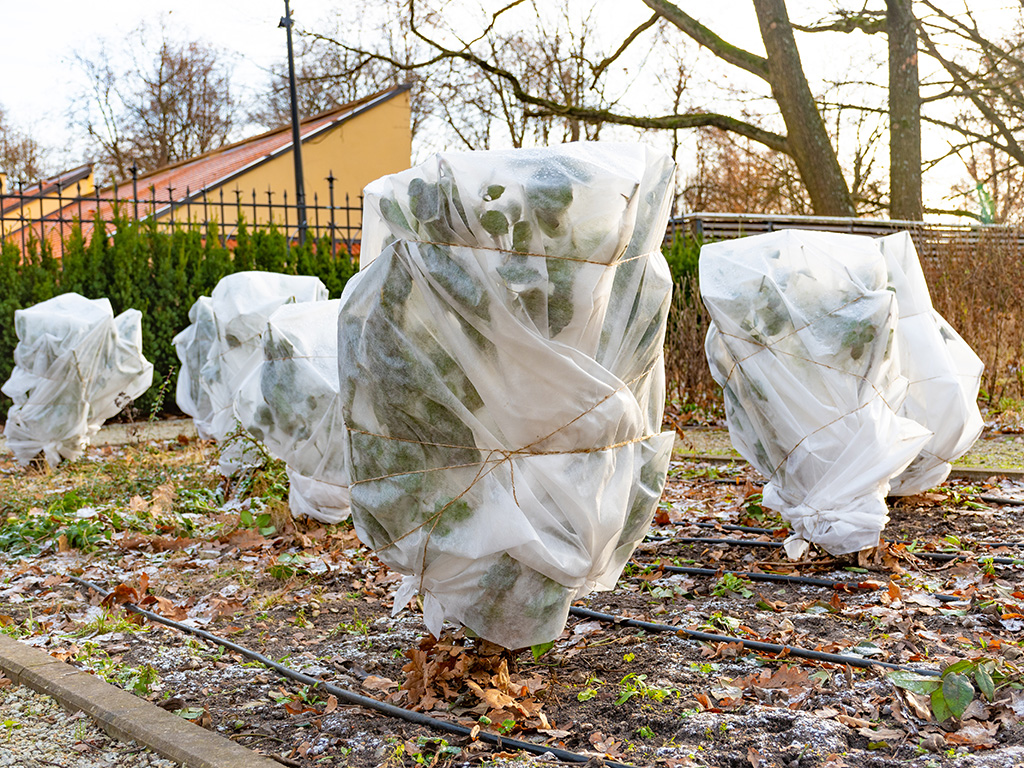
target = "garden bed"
x: 152, y: 522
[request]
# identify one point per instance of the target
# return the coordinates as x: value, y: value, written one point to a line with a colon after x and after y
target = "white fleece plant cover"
x: 803, y: 342
x: 223, y: 345
x: 291, y: 404
x: 944, y: 373
x: 502, y: 379
x: 75, y: 366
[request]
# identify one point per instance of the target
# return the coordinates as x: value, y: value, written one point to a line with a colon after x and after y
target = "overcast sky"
x: 41, y: 37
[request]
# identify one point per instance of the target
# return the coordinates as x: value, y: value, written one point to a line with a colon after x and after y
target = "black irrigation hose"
x: 783, y: 578
x: 1002, y: 500
x: 773, y: 531
x: 755, y: 645
x: 354, y: 698
x: 941, y: 556
x: 791, y: 650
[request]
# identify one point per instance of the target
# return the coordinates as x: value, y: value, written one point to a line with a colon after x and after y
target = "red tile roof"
x: 188, y: 179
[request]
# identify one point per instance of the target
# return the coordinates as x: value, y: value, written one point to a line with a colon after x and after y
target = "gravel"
x: 38, y: 733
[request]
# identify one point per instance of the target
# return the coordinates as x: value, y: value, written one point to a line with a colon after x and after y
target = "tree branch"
x: 745, y: 60
x: 547, y: 106
x: 601, y: 67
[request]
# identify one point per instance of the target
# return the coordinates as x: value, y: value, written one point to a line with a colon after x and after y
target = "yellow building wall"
x: 357, y: 151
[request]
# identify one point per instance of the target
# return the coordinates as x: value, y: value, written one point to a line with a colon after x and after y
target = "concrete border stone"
x: 123, y: 715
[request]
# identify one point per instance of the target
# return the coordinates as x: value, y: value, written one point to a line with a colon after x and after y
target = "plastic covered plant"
x: 502, y: 379
x: 291, y: 404
x: 943, y: 371
x: 804, y: 343
x: 76, y: 365
x: 223, y: 345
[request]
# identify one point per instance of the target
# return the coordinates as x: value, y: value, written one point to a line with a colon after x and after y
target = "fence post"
x: 316, y: 215
x: 135, y: 189
x: 330, y: 190
x: 223, y: 224
x: 60, y: 217
x: 21, y: 215
x: 287, y: 237
x: 170, y: 199
x: 348, y: 226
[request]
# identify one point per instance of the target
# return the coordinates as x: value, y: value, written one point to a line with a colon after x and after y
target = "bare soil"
x: 314, y: 597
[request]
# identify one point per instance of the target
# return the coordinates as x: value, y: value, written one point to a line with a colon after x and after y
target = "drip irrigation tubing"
x: 349, y: 697
x: 775, y: 531
x: 784, y: 578
x: 941, y: 556
x: 755, y: 645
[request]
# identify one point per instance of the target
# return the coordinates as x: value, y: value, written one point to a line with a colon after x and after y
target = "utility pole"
x: 300, y: 187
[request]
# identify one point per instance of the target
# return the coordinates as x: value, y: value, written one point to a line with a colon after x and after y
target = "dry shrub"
x: 691, y: 390
x: 977, y: 283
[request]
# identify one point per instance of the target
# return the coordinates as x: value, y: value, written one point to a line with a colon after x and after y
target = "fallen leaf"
x: 881, y: 734
x: 332, y: 704
x: 375, y: 683
x: 754, y: 757
x: 974, y: 734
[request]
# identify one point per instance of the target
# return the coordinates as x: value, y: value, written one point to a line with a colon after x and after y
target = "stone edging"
x: 123, y: 715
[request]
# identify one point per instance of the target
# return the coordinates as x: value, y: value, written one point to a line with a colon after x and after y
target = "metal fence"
x: 37, y: 214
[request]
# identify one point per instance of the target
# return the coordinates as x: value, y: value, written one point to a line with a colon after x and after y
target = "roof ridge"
x: 349, y: 106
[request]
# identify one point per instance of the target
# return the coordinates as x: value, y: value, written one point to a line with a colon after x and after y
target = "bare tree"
x: 805, y: 140
x: 734, y: 174
x: 21, y: 156
x: 173, y: 103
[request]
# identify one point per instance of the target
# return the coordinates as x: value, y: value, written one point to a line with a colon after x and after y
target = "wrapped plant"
x: 223, y: 345
x: 943, y: 371
x: 803, y: 342
x: 76, y: 365
x: 290, y: 403
x: 502, y: 379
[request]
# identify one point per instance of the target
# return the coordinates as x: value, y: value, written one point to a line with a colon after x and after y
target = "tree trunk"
x: 808, y: 141
x: 904, y: 113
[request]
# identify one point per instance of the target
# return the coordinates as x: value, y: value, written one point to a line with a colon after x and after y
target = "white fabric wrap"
x: 223, y: 345
x: 290, y: 403
x: 502, y: 379
x: 943, y: 371
x: 76, y: 366
x: 804, y: 343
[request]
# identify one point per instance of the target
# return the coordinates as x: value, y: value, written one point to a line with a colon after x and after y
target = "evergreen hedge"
x: 162, y: 273
x: 159, y: 272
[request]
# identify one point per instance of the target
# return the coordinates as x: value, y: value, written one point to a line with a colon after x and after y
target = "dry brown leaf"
x: 974, y: 734
x: 375, y: 683
x: 754, y: 757
x: 169, y: 610
x: 163, y: 498
x: 332, y: 704
x: 881, y: 733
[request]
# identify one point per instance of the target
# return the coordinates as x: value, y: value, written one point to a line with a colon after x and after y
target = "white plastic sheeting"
x: 502, y: 379
x: 291, y: 404
x: 804, y: 343
x: 944, y: 373
x: 223, y: 345
x: 76, y: 366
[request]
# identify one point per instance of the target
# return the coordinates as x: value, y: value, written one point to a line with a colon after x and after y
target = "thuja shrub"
x: 160, y: 272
